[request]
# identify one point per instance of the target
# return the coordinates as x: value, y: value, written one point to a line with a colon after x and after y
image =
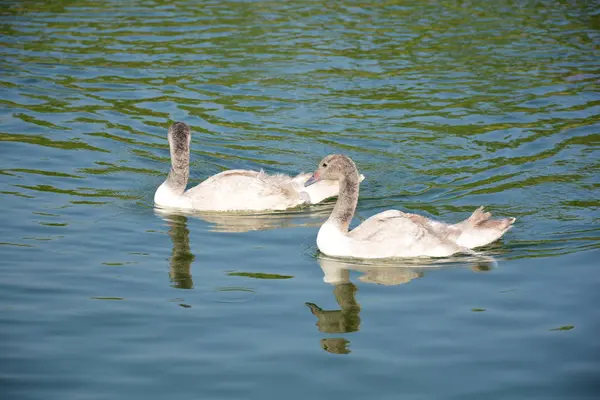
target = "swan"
x: 394, y: 233
x: 233, y: 190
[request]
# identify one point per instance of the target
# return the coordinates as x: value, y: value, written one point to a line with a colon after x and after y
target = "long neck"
x: 180, y: 169
x: 346, y: 203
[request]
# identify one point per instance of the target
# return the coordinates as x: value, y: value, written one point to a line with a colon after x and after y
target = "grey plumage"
x: 179, y: 144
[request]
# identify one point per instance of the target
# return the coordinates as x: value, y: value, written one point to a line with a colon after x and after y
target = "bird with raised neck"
x: 233, y: 190
x: 394, y: 233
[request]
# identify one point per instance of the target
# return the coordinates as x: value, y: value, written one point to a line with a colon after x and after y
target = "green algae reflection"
x: 259, y: 275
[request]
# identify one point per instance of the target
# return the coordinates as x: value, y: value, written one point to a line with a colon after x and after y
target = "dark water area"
x: 444, y: 106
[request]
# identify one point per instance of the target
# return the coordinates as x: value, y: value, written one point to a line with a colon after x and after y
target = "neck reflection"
x: 181, y: 258
x: 344, y: 320
x: 336, y: 272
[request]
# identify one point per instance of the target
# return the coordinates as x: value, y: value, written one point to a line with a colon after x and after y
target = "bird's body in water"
x: 394, y: 233
x: 232, y: 190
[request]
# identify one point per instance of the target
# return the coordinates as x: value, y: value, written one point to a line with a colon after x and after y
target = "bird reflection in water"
x: 247, y: 222
x: 181, y: 258
x: 344, y: 320
x: 347, y: 318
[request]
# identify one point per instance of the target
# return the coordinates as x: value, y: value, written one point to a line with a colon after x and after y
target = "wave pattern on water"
x: 469, y: 104
x: 444, y: 105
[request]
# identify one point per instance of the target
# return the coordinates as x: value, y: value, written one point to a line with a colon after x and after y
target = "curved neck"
x: 346, y: 203
x: 180, y: 169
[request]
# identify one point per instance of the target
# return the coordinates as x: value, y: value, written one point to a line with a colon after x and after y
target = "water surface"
x: 444, y: 106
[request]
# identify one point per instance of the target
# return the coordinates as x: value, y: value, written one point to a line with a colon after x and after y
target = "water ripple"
x: 444, y: 106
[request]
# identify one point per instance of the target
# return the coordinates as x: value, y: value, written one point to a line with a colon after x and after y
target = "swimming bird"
x: 394, y: 233
x: 233, y: 190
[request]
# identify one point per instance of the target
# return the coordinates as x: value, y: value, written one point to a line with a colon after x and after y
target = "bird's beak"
x: 313, y: 179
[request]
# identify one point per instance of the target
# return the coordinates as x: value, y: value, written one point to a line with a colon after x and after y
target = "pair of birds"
x: 389, y: 234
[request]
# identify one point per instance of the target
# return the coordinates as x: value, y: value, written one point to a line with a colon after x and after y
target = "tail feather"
x: 500, y: 224
x: 482, y: 219
x: 479, y: 216
x: 480, y: 229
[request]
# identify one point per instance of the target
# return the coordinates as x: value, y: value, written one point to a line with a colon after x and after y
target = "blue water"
x: 444, y: 106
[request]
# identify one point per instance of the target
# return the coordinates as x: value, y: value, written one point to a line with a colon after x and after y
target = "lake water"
x: 444, y: 106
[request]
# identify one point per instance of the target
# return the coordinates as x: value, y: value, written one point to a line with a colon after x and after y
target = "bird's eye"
x: 324, y: 165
